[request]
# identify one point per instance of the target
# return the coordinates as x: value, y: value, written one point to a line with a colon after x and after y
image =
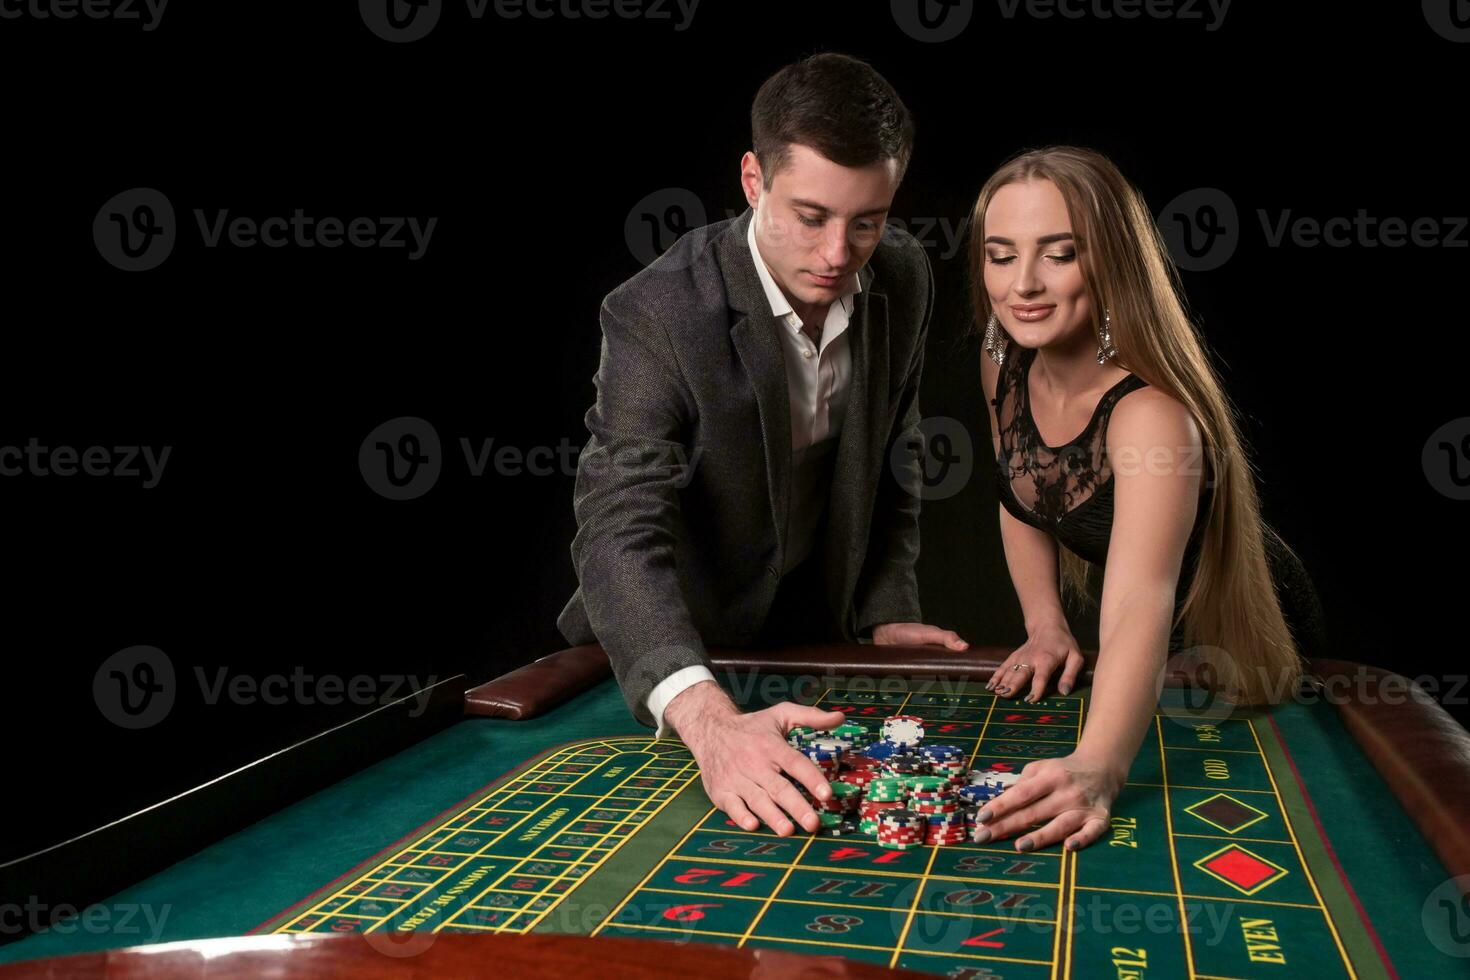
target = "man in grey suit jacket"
x: 753, y: 470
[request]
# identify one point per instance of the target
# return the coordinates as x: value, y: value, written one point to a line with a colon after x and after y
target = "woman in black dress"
x: 1117, y: 447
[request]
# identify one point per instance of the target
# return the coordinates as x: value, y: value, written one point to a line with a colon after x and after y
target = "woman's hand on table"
x: 744, y: 758
x: 1049, y: 648
x: 1072, y: 795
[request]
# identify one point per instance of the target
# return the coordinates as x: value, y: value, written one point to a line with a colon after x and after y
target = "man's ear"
x: 751, y: 178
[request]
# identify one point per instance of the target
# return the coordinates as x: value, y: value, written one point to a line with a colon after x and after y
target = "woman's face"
x: 1032, y: 274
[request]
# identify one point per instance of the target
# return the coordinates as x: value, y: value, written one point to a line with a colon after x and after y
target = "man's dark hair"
x: 835, y: 104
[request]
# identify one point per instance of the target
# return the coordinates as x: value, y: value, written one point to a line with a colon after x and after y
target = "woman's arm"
x: 1151, y: 439
x: 1156, y: 493
x: 1031, y: 558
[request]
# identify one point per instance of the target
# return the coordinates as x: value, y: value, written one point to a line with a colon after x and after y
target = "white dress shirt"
x: 817, y: 380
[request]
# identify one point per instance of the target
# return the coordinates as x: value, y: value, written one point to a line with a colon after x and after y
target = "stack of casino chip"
x: 900, y: 829
x: 859, y: 770
x: 881, y: 794
x: 827, y: 760
x: 827, y: 742
x: 844, y: 800
x: 930, y: 792
x: 904, y: 730
x: 800, y: 735
x: 897, y: 789
x: 977, y: 793
x: 971, y: 823
x: 947, y: 761
x: 835, y: 825
x: 933, y: 797
x: 993, y: 781
x: 905, y: 762
x: 946, y: 828
x: 880, y: 750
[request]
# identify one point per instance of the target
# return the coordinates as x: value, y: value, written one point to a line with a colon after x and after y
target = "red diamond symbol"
x: 1241, y: 869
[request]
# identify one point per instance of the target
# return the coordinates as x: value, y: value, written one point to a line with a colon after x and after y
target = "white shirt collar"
x: 780, y: 305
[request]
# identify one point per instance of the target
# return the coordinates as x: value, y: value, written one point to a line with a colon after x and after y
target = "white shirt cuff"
x: 665, y: 691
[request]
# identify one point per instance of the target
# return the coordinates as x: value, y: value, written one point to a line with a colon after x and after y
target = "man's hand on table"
x: 744, y: 759
x: 916, y: 634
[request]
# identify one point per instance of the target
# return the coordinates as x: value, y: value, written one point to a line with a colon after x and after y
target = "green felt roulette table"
x: 1324, y: 835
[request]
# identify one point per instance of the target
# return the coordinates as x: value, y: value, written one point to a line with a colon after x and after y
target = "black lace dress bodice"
x: 1067, y: 491
x: 1064, y: 490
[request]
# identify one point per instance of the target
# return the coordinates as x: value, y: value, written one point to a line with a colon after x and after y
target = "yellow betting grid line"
x: 564, y: 876
x: 791, y: 866
x: 830, y: 905
x: 908, y: 922
x: 1059, y: 953
x: 606, y: 854
x: 1174, y: 857
x: 1249, y: 840
x: 1207, y: 789
x: 653, y: 871
x: 1067, y: 951
x: 958, y: 879
x: 1062, y: 863
x: 532, y: 857
x: 1296, y: 846
x: 829, y: 944
x: 1032, y: 741
x: 1069, y: 876
x: 919, y: 888
x: 444, y: 872
x: 559, y: 758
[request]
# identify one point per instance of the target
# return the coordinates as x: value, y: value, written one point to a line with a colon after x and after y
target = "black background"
x: 536, y: 143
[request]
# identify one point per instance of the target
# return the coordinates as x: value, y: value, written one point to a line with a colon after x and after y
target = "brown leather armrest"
x: 540, y: 685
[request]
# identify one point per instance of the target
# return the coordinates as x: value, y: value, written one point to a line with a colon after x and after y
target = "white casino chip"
x: 906, y: 733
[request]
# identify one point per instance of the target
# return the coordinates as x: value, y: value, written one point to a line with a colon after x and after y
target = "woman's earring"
x: 995, y: 339
x: 1105, y: 348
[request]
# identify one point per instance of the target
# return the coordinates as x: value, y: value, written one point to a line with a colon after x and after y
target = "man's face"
x: 819, y: 222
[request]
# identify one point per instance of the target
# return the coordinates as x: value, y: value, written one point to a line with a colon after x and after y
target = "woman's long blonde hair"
x: 1232, y: 620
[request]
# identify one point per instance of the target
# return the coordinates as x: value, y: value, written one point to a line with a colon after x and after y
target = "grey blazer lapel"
x: 754, y: 334
x: 859, y: 448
